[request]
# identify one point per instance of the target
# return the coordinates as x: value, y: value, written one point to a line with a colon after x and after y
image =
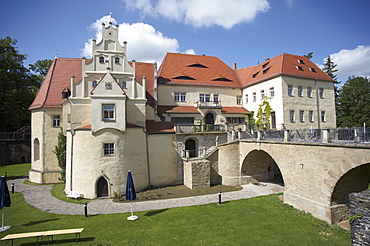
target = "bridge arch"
x: 259, y: 165
x: 355, y: 180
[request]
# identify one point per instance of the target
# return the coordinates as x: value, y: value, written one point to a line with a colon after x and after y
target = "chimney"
x: 234, y: 65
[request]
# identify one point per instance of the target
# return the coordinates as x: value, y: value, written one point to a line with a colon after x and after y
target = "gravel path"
x: 41, y: 198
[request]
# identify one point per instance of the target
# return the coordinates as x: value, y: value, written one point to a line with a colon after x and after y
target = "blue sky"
x: 240, y: 31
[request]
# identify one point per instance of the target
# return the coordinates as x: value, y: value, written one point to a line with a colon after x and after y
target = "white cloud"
x: 289, y: 3
x: 144, y: 43
x: 202, y: 13
x: 190, y: 52
x: 352, y: 62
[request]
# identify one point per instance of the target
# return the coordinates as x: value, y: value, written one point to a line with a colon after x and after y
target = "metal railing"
x: 210, y: 104
x: 350, y: 135
x: 23, y: 133
x: 199, y: 128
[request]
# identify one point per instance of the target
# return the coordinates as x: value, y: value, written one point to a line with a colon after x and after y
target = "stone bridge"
x: 317, y: 176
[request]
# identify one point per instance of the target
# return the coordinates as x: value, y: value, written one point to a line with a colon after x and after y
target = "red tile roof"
x: 146, y: 70
x: 284, y: 64
x: 183, y: 69
x: 234, y: 110
x: 178, y: 109
x: 159, y: 127
x: 57, y: 79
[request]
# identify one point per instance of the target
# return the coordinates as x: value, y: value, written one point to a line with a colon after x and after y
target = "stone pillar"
x: 286, y: 136
x: 325, y: 136
x: 197, y: 174
x: 359, y: 204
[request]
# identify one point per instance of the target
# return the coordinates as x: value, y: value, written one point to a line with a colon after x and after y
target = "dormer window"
x: 255, y: 75
x: 116, y: 60
x: 94, y: 83
x: 184, y: 78
x: 222, y: 79
x: 299, y: 68
x: 312, y: 70
x: 265, y: 65
x: 266, y: 70
x: 101, y: 59
x: 197, y: 65
x: 301, y: 61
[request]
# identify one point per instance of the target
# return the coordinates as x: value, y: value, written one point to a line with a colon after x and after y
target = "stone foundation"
x: 48, y: 177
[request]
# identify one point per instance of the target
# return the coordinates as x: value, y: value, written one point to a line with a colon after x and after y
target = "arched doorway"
x: 210, y: 119
x: 102, y: 187
x: 191, y: 146
x: 259, y: 165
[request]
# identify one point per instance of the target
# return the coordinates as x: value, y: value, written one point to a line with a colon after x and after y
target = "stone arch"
x: 355, y: 180
x: 36, y: 149
x: 102, y: 187
x: 259, y: 165
x: 191, y: 145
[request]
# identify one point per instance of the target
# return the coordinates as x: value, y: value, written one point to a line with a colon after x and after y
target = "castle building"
x: 121, y: 115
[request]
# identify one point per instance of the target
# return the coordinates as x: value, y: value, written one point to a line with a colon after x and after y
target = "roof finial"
x: 56, y: 54
x: 110, y: 17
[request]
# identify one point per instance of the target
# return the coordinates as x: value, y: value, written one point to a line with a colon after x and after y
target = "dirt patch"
x: 177, y: 192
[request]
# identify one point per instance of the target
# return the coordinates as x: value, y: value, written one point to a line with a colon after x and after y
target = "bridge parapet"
x: 333, y: 135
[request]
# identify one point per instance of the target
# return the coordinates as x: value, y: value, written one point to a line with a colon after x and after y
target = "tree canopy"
x: 16, y: 87
x: 353, y: 109
x: 330, y: 68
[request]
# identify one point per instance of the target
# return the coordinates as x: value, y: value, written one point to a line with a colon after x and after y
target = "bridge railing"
x: 310, y: 135
x: 350, y: 135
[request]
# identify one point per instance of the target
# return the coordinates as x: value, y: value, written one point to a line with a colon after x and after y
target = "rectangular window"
x: 291, y: 116
x: 180, y: 97
x: 215, y: 98
x: 182, y: 120
x: 272, y: 92
x: 56, y: 120
x: 235, y: 120
x: 254, y: 97
x: 262, y: 94
x: 108, y: 148
x: 264, y: 118
x: 300, y: 91
x: 309, y: 92
x: 246, y: 98
x: 108, y: 112
x: 208, y: 97
x: 94, y: 83
x: 290, y: 90
x: 321, y: 92
x: 238, y: 100
x: 323, y: 118
x: 310, y: 116
x: 301, y: 116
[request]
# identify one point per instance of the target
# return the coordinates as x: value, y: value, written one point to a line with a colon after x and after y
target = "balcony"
x: 199, y: 128
x: 210, y: 104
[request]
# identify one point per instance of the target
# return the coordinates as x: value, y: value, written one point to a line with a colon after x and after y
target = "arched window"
x: 101, y: 59
x: 36, y: 149
x: 124, y: 84
x: 191, y: 146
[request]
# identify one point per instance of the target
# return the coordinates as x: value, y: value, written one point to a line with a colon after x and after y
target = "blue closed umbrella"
x: 130, y: 193
x: 4, y: 200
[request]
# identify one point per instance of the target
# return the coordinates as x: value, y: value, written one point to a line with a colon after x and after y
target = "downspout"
x: 317, y: 105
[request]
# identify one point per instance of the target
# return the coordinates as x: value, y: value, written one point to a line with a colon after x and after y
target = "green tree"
x: 264, y: 109
x: 40, y: 69
x: 330, y: 69
x: 309, y: 55
x: 353, y: 108
x: 16, y: 87
x: 61, y: 153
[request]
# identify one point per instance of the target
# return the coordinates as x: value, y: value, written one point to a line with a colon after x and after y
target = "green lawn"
x: 15, y: 170
x: 256, y: 221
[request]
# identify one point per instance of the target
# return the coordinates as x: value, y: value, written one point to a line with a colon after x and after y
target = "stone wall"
x: 13, y: 153
x: 197, y: 173
x: 360, y: 217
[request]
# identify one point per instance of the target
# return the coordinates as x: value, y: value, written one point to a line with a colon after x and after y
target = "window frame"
x: 216, y: 98
x: 301, y: 116
x: 300, y: 91
x: 56, y: 120
x: 323, y: 116
x: 180, y: 97
x: 321, y: 93
x: 246, y: 98
x: 108, y: 149
x: 117, y: 60
x: 238, y: 100
x: 262, y: 95
x: 108, y: 111
x: 290, y: 90
x: 254, y: 97
x: 101, y: 59
x: 309, y: 91
x: 272, y: 92
x: 311, y: 116
x: 291, y: 116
